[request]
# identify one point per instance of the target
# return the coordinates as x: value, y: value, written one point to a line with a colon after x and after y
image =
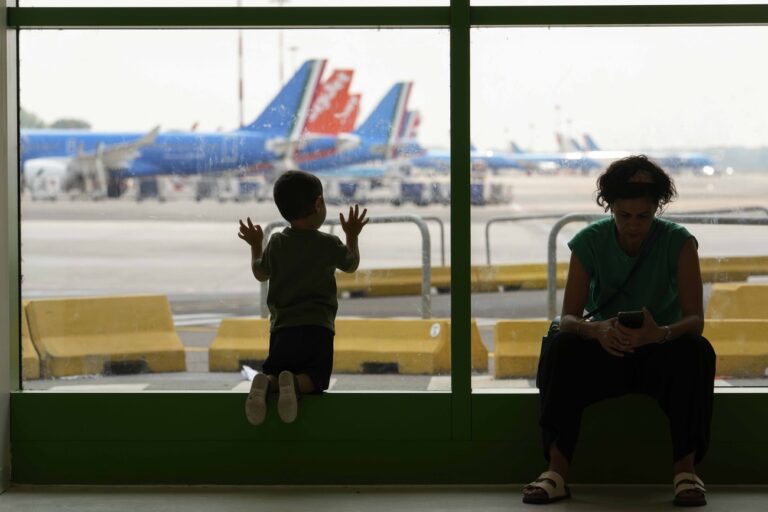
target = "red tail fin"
x: 347, y: 116
x: 331, y: 99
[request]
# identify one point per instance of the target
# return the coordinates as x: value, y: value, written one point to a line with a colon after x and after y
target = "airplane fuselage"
x: 182, y: 153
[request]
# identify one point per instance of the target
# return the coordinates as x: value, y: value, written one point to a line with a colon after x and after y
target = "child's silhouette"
x: 300, y: 263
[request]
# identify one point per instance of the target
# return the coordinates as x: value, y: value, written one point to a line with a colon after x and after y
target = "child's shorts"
x: 302, y: 349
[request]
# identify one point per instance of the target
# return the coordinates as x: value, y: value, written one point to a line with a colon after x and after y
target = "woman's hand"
x: 650, y: 332
x: 610, y: 338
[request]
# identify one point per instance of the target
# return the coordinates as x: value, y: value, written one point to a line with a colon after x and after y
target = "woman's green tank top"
x: 654, y: 283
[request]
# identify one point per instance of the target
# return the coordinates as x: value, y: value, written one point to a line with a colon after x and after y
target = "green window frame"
x: 118, y: 438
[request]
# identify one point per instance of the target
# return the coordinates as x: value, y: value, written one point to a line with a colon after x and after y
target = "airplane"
x: 670, y: 160
x: 378, y: 134
x: 92, y: 161
x: 334, y: 110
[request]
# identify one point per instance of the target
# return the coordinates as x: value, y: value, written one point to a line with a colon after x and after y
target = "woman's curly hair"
x: 615, y: 183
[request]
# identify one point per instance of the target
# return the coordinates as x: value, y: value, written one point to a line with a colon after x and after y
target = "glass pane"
x: 139, y: 159
x: 577, y: 99
x: 230, y: 3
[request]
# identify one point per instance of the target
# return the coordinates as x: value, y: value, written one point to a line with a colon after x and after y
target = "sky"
x: 630, y: 88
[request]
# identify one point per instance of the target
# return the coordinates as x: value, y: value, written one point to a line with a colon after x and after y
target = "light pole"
x: 280, y: 3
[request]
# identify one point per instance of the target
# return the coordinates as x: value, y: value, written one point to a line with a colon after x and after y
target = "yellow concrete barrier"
x: 484, y: 278
x: 407, y: 346
x: 30, y: 361
x: 526, y: 276
x: 386, y: 282
x: 517, y: 346
x: 732, y: 268
x: 239, y: 341
x: 94, y: 335
x: 738, y: 301
x: 741, y: 347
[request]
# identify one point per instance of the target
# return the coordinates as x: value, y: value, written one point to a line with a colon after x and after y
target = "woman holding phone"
x: 638, y: 276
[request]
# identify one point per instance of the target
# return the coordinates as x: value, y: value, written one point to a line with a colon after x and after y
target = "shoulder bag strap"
x: 645, y: 249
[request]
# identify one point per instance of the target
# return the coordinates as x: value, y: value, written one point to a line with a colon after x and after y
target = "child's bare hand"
x: 253, y: 235
x: 355, y: 222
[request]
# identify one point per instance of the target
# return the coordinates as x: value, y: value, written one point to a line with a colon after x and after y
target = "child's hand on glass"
x: 253, y: 235
x: 354, y: 222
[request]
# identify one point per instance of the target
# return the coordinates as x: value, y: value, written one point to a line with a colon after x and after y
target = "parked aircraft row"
x: 309, y: 124
x: 90, y: 161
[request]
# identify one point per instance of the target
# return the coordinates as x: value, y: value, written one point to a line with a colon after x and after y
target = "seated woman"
x: 666, y: 357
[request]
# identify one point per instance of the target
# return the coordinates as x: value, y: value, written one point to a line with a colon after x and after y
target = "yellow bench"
x: 406, y: 346
x: 738, y: 300
x: 95, y: 335
x: 741, y: 347
x: 30, y: 361
x: 517, y: 347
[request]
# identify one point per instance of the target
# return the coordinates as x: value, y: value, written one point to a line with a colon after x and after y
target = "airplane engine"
x: 44, y: 177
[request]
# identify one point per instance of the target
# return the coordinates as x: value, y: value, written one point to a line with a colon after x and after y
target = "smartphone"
x: 631, y: 319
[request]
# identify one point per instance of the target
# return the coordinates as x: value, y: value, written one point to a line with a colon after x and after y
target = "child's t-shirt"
x: 301, y: 265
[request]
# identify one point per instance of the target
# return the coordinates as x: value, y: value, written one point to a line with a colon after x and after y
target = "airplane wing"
x: 114, y: 156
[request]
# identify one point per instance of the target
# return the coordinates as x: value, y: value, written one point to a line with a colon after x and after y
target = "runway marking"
x: 196, y: 349
x: 198, y: 319
x: 198, y: 329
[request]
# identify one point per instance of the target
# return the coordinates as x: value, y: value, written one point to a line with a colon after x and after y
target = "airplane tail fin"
x: 348, y: 114
x: 561, y: 146
x: 514, y: 147
x: 331, y: 105
x: 410, y: 126
x: 574, y: 145
x: 590, y: 143
x: 286, y: 115
x: 385, y: 123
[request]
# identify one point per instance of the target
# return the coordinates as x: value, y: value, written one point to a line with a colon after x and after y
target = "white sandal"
x: 689, y: 482
x: 552, y: 484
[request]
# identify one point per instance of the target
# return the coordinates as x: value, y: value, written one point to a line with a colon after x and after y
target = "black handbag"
x: 554, y: 326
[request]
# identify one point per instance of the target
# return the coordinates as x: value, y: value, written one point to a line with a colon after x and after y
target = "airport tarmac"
x: 189, y: 251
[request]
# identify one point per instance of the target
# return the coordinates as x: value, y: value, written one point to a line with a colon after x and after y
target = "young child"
x: 300, y: 263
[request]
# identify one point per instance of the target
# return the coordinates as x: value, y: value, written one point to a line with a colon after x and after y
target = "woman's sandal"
x: 689, y: 482
x: 553, y: 486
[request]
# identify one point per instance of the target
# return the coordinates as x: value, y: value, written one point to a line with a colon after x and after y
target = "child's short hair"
x: 295, y: 193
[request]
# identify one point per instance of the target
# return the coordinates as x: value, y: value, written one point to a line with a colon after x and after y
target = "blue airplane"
x: 378, y: 135
x: 671, y: 160
x: 90, y: 160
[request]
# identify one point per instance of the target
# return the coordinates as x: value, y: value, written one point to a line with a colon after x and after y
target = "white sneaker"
x: 256, y: 403
x: 287, y: 406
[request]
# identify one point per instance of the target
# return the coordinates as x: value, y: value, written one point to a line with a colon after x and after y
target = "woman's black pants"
x: 679, y: 374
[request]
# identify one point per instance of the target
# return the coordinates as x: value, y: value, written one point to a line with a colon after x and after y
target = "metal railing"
x: 440, y: 224
x: 426, y: 258
x: 576, y: 217
x: 541, y: 216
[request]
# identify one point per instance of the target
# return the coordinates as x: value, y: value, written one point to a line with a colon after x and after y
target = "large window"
x: 141, y: 226
x: 161, y: 218
x: 567, y: 102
